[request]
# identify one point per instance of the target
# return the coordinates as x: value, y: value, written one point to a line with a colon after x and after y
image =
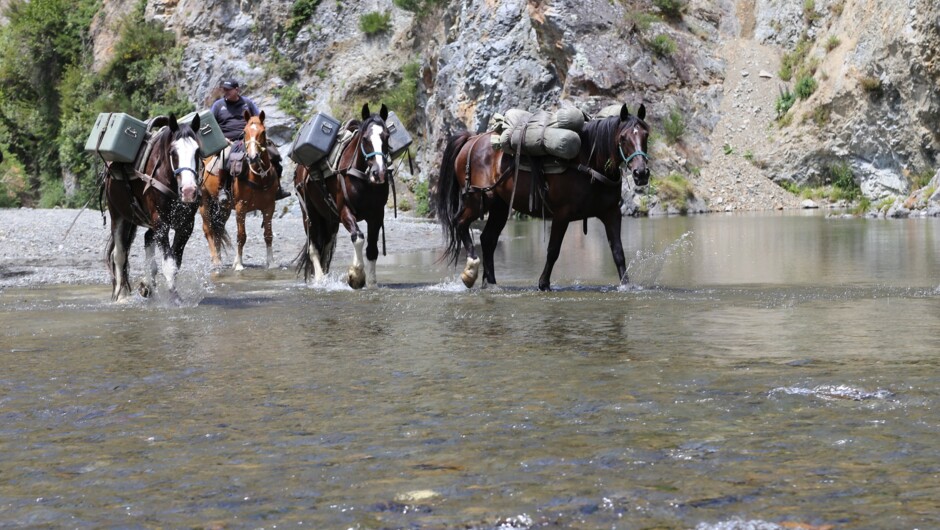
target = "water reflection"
x: 768, y: 371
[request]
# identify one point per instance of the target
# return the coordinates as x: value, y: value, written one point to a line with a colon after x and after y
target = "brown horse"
x: 160, y: 197
x: 254, y: 188
x: 476, y: 179
x: 356, y: 189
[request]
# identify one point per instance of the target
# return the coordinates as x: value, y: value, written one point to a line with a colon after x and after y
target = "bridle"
x: 262, y: 172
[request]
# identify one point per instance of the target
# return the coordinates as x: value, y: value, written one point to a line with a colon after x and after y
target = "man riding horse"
x: 229, y: 111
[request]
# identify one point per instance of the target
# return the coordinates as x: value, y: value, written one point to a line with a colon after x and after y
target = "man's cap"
x: 229, y: 84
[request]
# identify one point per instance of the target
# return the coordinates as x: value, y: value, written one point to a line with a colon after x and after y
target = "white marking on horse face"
x: 251, y: 148
x: 377, y: 146
x: 187, y: 150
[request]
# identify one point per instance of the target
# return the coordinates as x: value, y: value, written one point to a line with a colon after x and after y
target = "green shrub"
x: 418, y: 7
x: 374, y: 23
x: 674, y: 126
x: 871, y: 84
x: 843, y: 181
x: 674, y: 190
x: 670, y: 8
x: 785, y: 101
x: 291, y: 100
x: 805, y: 87
x: 832, y: 43
x: 300, y: 12
x: 663, y: 45
x: 403, y: 97
x: 280, y: 66
x: 423, y: 204
x: 642, y: 21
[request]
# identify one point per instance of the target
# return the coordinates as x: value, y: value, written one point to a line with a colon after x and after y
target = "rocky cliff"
x: 714, y: 68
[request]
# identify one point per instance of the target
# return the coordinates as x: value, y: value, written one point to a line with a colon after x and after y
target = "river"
x: 763, y: 371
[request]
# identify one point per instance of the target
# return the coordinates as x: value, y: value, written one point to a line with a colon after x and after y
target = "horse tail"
x: 448, y: 195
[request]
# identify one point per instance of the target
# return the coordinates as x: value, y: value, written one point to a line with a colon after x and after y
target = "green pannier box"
x: 315, y: 139
x: 211, y: 139
x: 116, y: 137
x: 398, y: 137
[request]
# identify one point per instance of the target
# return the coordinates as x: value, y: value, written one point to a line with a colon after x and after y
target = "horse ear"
x: 247, y: 114
x: 641, y: 112
x: 195, y: 123
x: 365, y: 111
x: 261, y: 116
x: 624, y: 112
x: 384, y: 112
x: 174, y: 125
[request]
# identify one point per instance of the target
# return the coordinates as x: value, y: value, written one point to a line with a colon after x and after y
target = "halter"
x: 261, y: 148
x: 627, y: 159
x: 362, y: 148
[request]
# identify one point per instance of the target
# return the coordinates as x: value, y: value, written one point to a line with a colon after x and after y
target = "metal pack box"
x: 398, y: 138
x: 315, y: 139
x: 211, y: 139
x: 116, y: 136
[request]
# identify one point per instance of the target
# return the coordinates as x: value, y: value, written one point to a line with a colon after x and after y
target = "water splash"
x: 647, y: 266
x: 834, y: 392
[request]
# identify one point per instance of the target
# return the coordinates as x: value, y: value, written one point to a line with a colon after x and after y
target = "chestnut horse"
x: 476, y: 179
x: 161, y: 197
x: 254, y: 188
x: 356, y: 189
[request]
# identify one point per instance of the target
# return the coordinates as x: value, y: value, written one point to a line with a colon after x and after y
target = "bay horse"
x: 355, y: 189
x: 160, y: 194
x: 254, y: 188
x: 476, y: 179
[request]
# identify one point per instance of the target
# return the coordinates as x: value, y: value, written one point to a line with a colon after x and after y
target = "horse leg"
x: 612, y: 226
x: 499, y: 214
x: 170, y: 267
x: 206, y: 211
x: 355, y: 276
x: 267, y: 215
x: 240, y: 214
x: 559, y: 227
x: 122, y: 235
x: 471, y: 270
x: 372, y: 251
x: 146, y: 286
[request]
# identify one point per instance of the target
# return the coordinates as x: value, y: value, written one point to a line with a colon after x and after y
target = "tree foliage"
x: 49, y: 94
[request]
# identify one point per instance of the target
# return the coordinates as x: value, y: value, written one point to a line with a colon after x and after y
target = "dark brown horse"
x: 159, y: 197
x: 355, y: 189
x: 476, y: 179
x: 253, y: 188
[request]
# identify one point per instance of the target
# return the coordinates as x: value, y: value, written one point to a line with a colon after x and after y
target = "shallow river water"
x: 774, y: 371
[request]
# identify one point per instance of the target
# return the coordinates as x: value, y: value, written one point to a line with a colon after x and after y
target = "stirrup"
x: 281, y: 194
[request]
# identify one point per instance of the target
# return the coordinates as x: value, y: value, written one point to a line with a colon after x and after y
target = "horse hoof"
x: 356, y: 278
x: 468, y: 278
x: 144, y: 290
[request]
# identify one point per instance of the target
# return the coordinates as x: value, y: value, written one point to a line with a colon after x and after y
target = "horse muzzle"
x: 641, y: 176
x: 189, y: 194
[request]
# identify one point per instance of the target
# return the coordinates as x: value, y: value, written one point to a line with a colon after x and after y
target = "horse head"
x: 256, y: 142
x: 373, y: 143
x: 632, y: 138
x: 183, y: 154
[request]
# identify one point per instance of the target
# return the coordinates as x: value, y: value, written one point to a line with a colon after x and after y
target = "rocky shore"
x: 43, y: 246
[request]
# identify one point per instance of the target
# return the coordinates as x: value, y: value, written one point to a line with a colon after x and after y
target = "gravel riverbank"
x: 37, y: 247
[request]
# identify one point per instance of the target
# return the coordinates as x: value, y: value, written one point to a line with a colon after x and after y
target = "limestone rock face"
x: 875, y: 62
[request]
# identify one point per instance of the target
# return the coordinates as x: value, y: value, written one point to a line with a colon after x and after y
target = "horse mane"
x: 598, y: 140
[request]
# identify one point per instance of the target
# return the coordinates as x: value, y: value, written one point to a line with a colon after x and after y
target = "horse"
x: 355, y: 189
x: 160, y: 193
x: 476, y: 179
x: 254, y: 187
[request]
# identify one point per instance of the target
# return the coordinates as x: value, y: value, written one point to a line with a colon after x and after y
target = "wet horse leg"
x: 499, y: 214
x: 470, y: 211
x: 240, y: 214
x: 559, y: 227
x: 612, y: 226
x: 122, y: 235
x: 267, y: 215
x: 355, y: 276
x: 373, y: 226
